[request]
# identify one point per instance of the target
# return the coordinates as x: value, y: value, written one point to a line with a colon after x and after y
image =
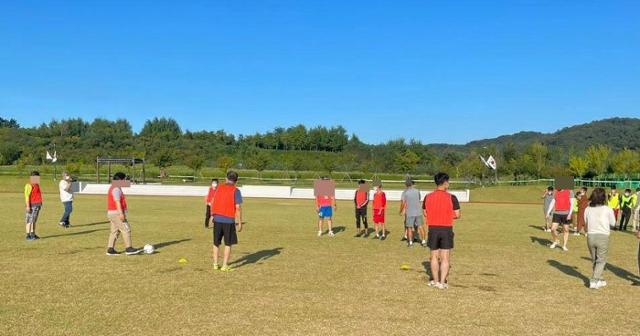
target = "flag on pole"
x: 485, y: 161
x: 55, y: 157
x: 491, y: 162
x: 49, y: 157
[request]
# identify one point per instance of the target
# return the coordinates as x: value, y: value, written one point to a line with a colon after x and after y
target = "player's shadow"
x: 569, y: 270
x: 538, y: 227
x: 256, y: 257
x: 92, y: 224
x: 339, y: 229
x: 621, y: 273
x: 427, y: 268
x: 74, y: 233
x: 540, y: 241
x: 169, y: 243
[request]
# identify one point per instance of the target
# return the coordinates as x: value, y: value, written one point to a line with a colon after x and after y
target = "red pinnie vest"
x: 36, y: 194
x: 439, y: 206
x: 224, y: 201
x: 111, y: 202
x: 563, y: 200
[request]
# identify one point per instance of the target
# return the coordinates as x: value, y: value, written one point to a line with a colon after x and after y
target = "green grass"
x: 504, y: 280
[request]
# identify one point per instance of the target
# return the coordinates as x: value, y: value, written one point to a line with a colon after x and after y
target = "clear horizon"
x: 435, y: 72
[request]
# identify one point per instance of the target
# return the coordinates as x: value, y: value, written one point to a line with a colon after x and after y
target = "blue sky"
x: 437, y: 71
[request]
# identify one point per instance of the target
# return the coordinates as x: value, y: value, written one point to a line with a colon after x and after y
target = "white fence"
x: 249, y: 191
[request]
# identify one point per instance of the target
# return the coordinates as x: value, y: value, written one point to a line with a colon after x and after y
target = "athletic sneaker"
x: 331, y: 234
x: 226, y: 268
x: 35, y: 236
x: 377, y: 236
x: 432, y: 284
x: 576, y: 233
x: 216, y: 267
x: 443, y: 286
x: 132, y: 251
x: 564, y: 248
x: 383, y: 237
x: 319, y: 233
x: 552, y: 246
x: 62, y: 224
x: 593, y: 284
x: 404, y: 238
x: 29, y: 237
x: 410, y: 244
x: 424, y: 243
x: 600, y: 284
x: 112, y: 252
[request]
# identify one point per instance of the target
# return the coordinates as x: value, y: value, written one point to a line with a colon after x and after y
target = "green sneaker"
x: 226, y: 269
x: 216, y: 267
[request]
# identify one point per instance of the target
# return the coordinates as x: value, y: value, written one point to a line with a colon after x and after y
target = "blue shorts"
x: 325, y: 212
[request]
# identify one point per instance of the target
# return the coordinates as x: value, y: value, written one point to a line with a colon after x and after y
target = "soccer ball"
x: 149, y: 249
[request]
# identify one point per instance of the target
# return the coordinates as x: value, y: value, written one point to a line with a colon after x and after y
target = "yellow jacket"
x: 614, y: 201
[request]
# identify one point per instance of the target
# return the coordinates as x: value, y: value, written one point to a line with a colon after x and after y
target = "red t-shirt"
x: 212, y: 192
x: 323, y: 201
x: 379, y: 200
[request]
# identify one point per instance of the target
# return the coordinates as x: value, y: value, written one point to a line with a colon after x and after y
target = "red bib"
x: 224, y: 201
x: 439, y: 206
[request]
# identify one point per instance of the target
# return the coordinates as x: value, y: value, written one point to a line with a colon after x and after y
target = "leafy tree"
x: 259, y: 161
x: 625, y: 162
x: 406, y: 161
x: 578, y: 165
x: 539, y: 154
x: 163, y: 158
x: 224, y: 163
x: 8, y: 123
x: 9, y: 153
x: 195, y: 162
x: 598, y: 158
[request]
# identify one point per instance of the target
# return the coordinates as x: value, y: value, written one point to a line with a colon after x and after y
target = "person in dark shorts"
x: 227, y: 219
x: 33, y: 205
x: 208, y: 200
x: 562, y: 208
x: 361, y: 200
x: 440, y: 210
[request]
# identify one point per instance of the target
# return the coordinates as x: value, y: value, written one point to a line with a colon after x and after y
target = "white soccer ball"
x: 149, y: 249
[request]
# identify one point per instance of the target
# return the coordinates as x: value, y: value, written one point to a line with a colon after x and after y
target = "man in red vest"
x: 379, y: 205
x: 117, y: 214
x: 440, y: 209
x: 227, y: 219
x: 361, y: 200
x: 33, y: 203
x: 208, y: 200
x: 562, y: 208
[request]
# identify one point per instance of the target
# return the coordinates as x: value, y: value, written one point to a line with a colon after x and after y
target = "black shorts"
x: 226, y: 231
x: 561, y: 219
x: 440, y: 238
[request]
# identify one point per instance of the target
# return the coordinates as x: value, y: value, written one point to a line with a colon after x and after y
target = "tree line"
x: 163, y: 143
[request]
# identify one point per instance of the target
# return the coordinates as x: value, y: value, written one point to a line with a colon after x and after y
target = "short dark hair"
x: 627, y: 190
x: 549, y: 188
x: 35, y: 173
x: 441, y: 178
x: 585, y: 189
x: 598, y: 197
x: 232, y: 176
x: 408, y: 182
x: 361, y: 181
x: 215, y: 180
x: 119, y: 176
x: 613, y: 188
x: 378, y: 184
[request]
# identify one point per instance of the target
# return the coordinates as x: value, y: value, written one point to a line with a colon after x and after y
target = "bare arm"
x: 239, y: 217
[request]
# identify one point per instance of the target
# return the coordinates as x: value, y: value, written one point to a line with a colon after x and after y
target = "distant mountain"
x: 618, y: 133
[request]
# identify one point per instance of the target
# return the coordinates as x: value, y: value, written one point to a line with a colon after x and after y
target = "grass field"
x: 504, y: 280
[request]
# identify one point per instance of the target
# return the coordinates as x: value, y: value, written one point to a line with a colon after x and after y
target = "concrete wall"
x: 247, y: 191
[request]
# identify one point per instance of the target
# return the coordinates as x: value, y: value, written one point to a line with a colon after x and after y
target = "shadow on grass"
x: 540, y: 241
x: 74, y: 233
x: 339, y: 229
x: 169, y: 243
x: 427, y: 268
x: 538, y: 227
x: 569, y: 270
x: 256, y: 257
x: 91, y: 224
x: 621, y: 273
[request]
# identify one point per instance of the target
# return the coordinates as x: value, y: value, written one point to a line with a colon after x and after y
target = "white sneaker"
x: 593, y: 284
x: 601, y: 284
x: 443, y: 286
x: 331, y: 234
x: 552, y: 246
x: 564, y: 248
x: 319, y: 233
x: 432, y: 284
x: 576, y: 233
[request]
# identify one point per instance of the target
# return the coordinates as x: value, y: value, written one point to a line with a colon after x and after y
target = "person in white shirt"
x: 66, y: 197
x: 599, y: 218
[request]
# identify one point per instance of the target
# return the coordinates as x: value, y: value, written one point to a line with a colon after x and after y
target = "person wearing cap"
x: 66, y: 197
x: 208, y: 200
x: 33, y: 205
x: 117, y: 212
x: 441, y: 208
x: 379, y: 205
x: 227, y: 219
x: 361, y: 200
x: 410, y: 209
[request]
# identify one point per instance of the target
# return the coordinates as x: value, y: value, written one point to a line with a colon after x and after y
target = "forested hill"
x: 617, y: 133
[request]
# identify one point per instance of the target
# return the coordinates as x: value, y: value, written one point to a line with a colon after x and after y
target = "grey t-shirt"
x: 547, y: 202
x: 411, y: 196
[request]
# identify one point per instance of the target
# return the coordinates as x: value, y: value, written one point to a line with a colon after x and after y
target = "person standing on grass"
x: 227, y: 219
x: 33, y: 205
x: 410, y: 209
x: 117, y: 212
x: 325, y: 206
x: 66, y: 197
x: 583, y: 203
x: 379, y: 205
x: 599, y: 219
x: 208, y: 200
x: 626, y: 205
x: 636, y: 211
x: 562, y: 208
x: 441, y: 208
x: 547, y: 198
x: 614, y: 203
x: 361, y: 200
x: 574, y: 216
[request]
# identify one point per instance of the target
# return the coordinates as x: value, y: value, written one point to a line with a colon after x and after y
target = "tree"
x: 224, y: 163
x: 598, y: 158
x: 9, y: 153
x: 259, y: 161
x: 8, y: 123
x: 163, y: 158
x: 195, y: 162
x: 625, y: 162
x: 578, y: 165
x: 406, y: 161
x: 539, y: 154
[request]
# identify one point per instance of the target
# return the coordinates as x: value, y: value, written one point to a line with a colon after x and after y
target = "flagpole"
x: 55, y: 173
